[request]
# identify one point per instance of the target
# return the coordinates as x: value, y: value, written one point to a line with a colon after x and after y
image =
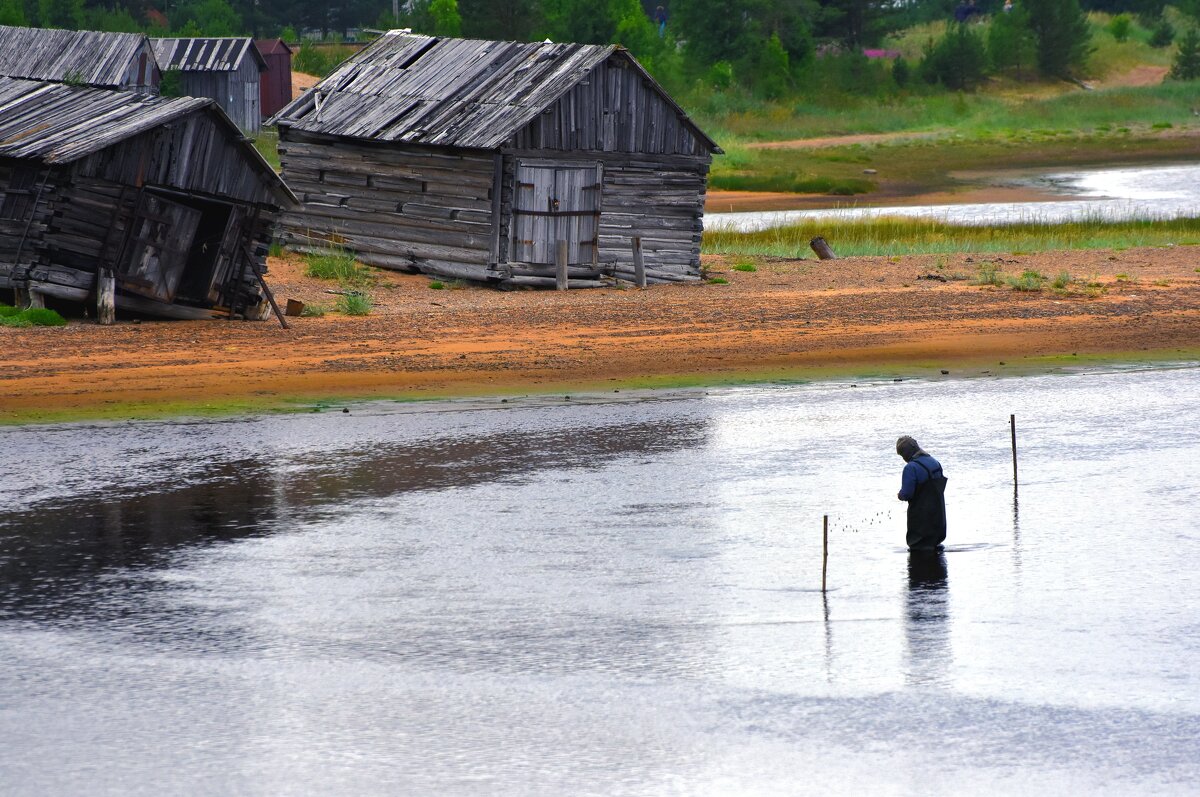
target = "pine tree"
x: 1062, y: 34
x: 1186, y: 65
x: 1010, y: 41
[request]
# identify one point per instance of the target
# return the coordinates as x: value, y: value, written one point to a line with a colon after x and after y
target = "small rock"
x: 1002, y: 362
x: 346, y: 410
x: 944, y: 372
x: 870, y: 171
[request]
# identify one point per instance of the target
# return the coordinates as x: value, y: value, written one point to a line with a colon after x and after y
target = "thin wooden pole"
x: 824, y: 550
x: 1012, y: 425
x: 560, y: 263
x: 106, y: 297
x: 639, y: 264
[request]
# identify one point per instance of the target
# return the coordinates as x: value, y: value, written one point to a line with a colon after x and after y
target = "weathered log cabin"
x: 103, y: 60
x: 227, y: 70
x: 163, y: 195
x: 475, y: 159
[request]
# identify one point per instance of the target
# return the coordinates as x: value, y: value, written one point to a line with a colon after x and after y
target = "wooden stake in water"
x: 1012, y: 424
x: 824, y: 550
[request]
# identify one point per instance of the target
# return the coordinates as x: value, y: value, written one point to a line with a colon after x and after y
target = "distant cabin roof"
x: 205, y: 55
x: 272, y: 46
x: 58, y: 124
x: 78, y: 56
x: 418, y: 89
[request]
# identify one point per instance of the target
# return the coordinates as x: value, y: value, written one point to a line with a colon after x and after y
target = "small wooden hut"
x: 276, y: 81
x: 227, y: 70
x: 475, y: 159
x: 166, y: 194
x: 104, y: 60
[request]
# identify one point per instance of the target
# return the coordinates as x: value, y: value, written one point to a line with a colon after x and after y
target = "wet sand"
x: 792, y: 319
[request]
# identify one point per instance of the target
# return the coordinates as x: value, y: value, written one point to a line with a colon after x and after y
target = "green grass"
x: 1030, y: 281
x: 748, y: 267
x: 437, y: 285
x: 33, y: 317
x: 354, y: 304
x: 718, y: 281
x: 340, y: 265
x: 902, y: 236
x: 313, y: 311
x: 267, y: 144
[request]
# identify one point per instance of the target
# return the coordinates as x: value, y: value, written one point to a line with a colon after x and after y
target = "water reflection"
x: 51, y: 555
x: 927, y: 619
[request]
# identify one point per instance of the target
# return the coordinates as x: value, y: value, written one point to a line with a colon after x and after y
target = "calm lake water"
x: 593, y: 597
x: 1111, y: 194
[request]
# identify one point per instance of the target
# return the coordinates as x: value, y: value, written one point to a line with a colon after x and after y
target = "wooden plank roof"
x: 417, y: 89
x: 205, y: 55
x: 58, y: 124
x: 80, y: 56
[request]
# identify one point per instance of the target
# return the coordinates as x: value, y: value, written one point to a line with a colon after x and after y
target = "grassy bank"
x: 901, y: 236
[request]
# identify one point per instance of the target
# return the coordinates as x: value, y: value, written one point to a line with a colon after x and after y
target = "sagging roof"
x: 417, y: 89
x: 77, y: 56
x: 205, y: 55
x: 58, y: 124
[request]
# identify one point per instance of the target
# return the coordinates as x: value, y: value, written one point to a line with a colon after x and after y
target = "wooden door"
x: 555, y: 201
x: 157, y: 246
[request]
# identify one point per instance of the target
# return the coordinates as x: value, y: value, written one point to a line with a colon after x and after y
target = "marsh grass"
x: 905, y: 236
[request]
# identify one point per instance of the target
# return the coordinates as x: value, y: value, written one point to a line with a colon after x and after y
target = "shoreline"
x: 791, y: 320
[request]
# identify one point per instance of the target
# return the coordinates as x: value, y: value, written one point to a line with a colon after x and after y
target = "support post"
x: 824, y: 550
x: 106, y: 297
x: 21, y: 293
x: 1012, y: 425
x: 36, y: 299
x: 639, y: 263
x: 824, y: 251
x: 560, y: 265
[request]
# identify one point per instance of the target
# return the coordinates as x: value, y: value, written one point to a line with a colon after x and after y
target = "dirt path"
x: 845, y: 141
x: 790, y: 318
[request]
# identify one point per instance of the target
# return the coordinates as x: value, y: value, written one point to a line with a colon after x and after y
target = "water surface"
x: 1154, y: 193
x: 598, y: 597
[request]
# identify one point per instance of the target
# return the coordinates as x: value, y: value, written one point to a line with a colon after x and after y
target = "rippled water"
x: 1115, y: 194
x: 590, y: 597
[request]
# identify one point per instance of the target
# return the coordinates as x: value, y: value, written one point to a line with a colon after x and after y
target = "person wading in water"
x: 923, y: 486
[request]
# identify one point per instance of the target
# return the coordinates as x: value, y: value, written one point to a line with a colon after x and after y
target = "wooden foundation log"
x: 639, y: 264
x: 106, y: 297
x: 552, y: 282
x: 560, y: 266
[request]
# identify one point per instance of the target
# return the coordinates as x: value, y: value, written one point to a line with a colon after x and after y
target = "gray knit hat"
x: 907, y: 447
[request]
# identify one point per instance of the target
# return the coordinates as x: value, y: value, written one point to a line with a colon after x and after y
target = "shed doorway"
x: 556, y: 201
x: 174, y: 247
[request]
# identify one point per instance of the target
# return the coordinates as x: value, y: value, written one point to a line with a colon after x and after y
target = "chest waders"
x: 927, y: 512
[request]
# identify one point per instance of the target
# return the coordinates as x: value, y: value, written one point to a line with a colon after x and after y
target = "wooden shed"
x: 227, y: 70
x: 104, y: 60
x: 474, y: 159
x: 276, y: 81
x: 165, y: 194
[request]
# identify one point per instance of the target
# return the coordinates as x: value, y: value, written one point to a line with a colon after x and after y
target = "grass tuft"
x: 437, y: 285
x: 748, y: 267
x: 718, y: 281
x: 354, y: 304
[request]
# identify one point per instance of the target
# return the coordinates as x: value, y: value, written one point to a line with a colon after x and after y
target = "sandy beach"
x: 791, y: 319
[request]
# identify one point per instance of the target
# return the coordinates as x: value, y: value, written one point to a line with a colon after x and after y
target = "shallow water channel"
x: 1127, y: 193
x: 611, y: 595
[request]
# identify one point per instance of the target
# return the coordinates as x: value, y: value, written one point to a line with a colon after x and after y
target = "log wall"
x: 416, y: 209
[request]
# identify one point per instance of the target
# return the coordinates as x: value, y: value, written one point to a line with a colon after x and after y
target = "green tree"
x: 1119, y: 26
x: 958, y: 60
x: 1163, y: 34
x: 210, y: 17
x: 446, y: 19
x: 507, y: 20
x: 111, y: 20
x: 1062, y: 35
x: 1186, y: 65
x: 67, y: 14
x: 12, y: 12
x: 1010, y: 41
x: 900, y: 72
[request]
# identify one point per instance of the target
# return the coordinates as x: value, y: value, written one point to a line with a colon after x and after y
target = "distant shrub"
x: 1186, y: 65
x: 1163, y: 35
x: 1119, y: 27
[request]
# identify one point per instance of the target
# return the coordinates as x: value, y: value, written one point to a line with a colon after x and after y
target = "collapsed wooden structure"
x: 477, y: 159
x: 79, y: 57
x: 227, y: 70
x: 165, y: 195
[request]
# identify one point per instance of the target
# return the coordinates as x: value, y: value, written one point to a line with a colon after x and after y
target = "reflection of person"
x: 923, y: 486
x: 927, y: 619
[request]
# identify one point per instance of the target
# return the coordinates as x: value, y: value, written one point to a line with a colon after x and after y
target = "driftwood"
x: 824, y: 251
